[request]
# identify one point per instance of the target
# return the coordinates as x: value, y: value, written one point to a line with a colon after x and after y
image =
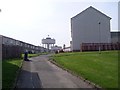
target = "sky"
x: 32, y: 20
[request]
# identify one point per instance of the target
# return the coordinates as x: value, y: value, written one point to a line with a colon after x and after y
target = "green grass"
x: 34, y: 55
x: 31, y: 55
x: 10, y: 68
x: 101, y: 69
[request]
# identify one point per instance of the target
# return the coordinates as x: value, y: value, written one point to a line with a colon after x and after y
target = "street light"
x: 99, y: 39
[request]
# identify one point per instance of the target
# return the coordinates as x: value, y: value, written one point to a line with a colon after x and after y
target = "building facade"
x: 12, y: 48
x: 115, y: 36
x: 89, y: 26
x: 56, y: 48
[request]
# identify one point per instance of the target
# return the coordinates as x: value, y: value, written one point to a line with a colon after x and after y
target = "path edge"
x: 74, y: 74
x: 18, y: 73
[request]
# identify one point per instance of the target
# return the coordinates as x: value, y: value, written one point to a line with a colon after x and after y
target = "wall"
x: 12, y: 48
x: 10, y: 51
x: 0, y: 47
x: 115, y: 37
x: 85, y: 28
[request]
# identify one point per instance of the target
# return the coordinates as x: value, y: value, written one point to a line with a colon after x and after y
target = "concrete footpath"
x: 40, y: 73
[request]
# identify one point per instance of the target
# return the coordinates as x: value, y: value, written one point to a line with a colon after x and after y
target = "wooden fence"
x: 11, y: 51
x: 102, y: 46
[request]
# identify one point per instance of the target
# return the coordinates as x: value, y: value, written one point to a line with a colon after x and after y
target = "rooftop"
x: 94, y: 9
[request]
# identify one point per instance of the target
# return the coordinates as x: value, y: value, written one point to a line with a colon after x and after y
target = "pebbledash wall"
x: 12, y: 48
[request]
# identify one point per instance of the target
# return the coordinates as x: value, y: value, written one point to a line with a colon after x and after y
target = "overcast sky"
x: 32, y: 20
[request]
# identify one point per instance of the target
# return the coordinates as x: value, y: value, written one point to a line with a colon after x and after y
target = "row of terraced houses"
x: 12, y: 48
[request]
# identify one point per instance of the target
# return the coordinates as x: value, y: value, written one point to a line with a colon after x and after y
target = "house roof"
x: 95, y: 10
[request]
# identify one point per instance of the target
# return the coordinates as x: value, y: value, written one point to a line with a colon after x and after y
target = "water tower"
x: 48, y: 42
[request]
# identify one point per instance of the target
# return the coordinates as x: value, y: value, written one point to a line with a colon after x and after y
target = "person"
x: 26, y: 56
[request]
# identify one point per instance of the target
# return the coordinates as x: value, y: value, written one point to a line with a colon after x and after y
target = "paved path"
x: 39, y: 72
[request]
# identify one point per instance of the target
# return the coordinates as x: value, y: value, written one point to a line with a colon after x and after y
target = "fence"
x: 9, y: 51
x: 102, y: 46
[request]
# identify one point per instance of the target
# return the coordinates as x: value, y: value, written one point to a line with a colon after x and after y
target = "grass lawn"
x: 101, y: 69
x: 30, y: 55
x: 10, y: 68
x: 34, y: 55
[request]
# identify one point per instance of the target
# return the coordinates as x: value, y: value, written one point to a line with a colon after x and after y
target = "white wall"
x: 85, y: 28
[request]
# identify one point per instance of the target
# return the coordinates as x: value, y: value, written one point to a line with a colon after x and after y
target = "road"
x: 40, y: 73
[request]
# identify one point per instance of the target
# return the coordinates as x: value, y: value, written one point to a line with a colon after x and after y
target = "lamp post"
x: 99, y: 39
